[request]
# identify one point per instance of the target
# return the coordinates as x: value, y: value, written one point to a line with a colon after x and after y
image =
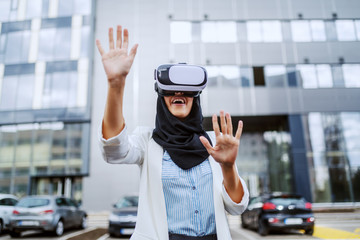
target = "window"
x: 254, y: 32
x: 230, y: 75
x: 25, y: 92
x: 259, y: 78
x: 4, y: 10
x: 307, y: 75
x: 291, y: 76
x: 300, y: 30
x: 318, y: 30
x: 357, y: 26
x: 345, y: 30
x: 65, y: 8
x: 180, y: 32
x: 246, y: 77
x: 33, y: 9
x: 46, y: 44
x: 62, y: 44
x: 82, y: 7
x: 272, y: 31
x: 275, y: 75
x: 17, y: 48
x: 351, y: 75
x: 218, y: 32
x: 212, y: 74
x: 324, y: 76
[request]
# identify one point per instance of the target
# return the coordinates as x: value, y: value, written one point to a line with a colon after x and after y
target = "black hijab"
x: 180, y: 138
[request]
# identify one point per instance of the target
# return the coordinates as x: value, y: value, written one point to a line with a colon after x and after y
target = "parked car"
x: 7, y: 203
x: 47, y: 213
x: 278, y: 211
x: 122, y: 219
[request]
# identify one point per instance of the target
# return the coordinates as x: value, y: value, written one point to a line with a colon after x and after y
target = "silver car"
x: 7, y: 203
x: 47, y: 213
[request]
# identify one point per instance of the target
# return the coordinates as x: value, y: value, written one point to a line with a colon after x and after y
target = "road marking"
x: 331, y: 233
x: 77, y: 233
x: 103, y: 237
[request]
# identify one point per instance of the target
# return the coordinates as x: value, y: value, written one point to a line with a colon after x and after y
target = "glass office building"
x: 45, y: 80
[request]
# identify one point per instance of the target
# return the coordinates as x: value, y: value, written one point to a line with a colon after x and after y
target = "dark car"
x: 47, y: 213
x: 122, y: 219
x: 278, y: 211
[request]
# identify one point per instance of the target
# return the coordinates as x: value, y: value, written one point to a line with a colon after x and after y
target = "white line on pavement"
x: 103, y: 237
x: 77, y: 233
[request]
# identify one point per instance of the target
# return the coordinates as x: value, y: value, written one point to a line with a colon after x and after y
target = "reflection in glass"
x: 345, y: 30
x: 13, y: 51
x: 300, y: 30
x: 291, y: 76
x: 337, y: 74
x: 41, y: 149
x: 307, y: 75
x: 7, y: 143
x: 24, y: 144
x: 180, y: 32
x: 62, y: 44
x: 33, y: 9
x: 4, y: 10
x: 5, y: 184
x: 65, y: 8
x: 82, y: 7
x: 25, y: 92
x: 316, y: 132
x: 254, y: 32
x: 46, y: 44
x: 351, y: 75
x: 246, y: 77
x: 221, y: 31
x: 230, y: 75
x: 357, y: 27
x: 212, y: 74
x: 20, y: 186
x: 75, y: 148
x: 275, y: 75
x: 351, y: 131
x: 85, y: 41
x: 58, y: 150
x: 8, y: 93
x: 272, y: 31
x: 318, y: 30
x: 324, y: 76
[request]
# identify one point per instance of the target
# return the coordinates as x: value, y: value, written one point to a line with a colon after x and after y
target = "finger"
x: 99, y: 47
x: 133, y: 52
x: 223, y: 123
x: 239, y: 130
x: 111, y: 38
x: 118, y: 36
x: 206, y: 144
x: 215, y: 125
x: 229, y: 124
x: 126, y: 39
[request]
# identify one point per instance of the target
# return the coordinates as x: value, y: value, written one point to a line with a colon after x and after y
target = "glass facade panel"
x: 318, y: 30
x: 307, y: 75
x: 345, y: 30
x: 23, y: 146
x: 218, y: 32
x: 65, y: 8
x: 41, y: 149
x: 82, y: 7
x: 300, y: 31
x: 8, y: 93
x: 4, y: 10
x: 213, y: 75
x: 254, y: 31
x: 33, y: 9
x: 13, y: 51
x: 62, y: 44
x: 357, y: 27
x: 351, y: 75
x: 75, y: 147
x: 246, y: 77
x: 324, y: 76
x: 272, y: 31
x: 180, y: 32
x: 58, y: 148
x: 292, y: 76
x: 230, y: 76
x: 275, y: 75
x: 85, y: 42
x: 25, y: 92
x: 46, y: 41
x: 338, y: 77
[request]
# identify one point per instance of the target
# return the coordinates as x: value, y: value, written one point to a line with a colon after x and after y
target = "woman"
x: 188, y: 178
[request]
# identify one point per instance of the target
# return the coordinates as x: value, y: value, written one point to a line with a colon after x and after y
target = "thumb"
x: 206, y: 144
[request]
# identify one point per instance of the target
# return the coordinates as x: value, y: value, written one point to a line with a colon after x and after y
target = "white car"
x: 7, y: 202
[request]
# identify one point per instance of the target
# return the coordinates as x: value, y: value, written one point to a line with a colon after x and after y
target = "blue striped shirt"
x: 188, y: 198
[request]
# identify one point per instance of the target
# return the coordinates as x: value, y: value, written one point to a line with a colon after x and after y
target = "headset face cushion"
x: 180, y: 77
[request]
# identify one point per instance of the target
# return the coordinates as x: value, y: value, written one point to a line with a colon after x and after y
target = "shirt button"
x: 193, y: 188
x: 196, y: 211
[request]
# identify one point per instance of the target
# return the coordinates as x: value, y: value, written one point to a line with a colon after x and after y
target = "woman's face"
x: 178, y: 105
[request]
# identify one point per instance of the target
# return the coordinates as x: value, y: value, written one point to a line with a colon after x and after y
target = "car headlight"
x: 123, y: 218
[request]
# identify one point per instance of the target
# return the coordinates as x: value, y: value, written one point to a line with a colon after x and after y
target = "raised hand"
x: 117, y: 62
x: 227, y: 145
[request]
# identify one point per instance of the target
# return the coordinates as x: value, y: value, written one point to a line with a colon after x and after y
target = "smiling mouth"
x: 178, y: 101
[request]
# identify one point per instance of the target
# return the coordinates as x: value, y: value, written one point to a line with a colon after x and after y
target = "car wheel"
x: 262, y: 228
x: 59, y: 229
x: 83, y: 223
x: 1, y: 226
x: 243, y: 225
x: 309, y: 231
x: 15, y: 234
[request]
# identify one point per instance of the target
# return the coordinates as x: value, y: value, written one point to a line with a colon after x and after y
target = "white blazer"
x: 139, y: 148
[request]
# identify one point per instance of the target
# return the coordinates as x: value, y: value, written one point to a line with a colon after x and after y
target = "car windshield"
x: 33, y: 202
x: 287, y: 200
x: 127, y: 202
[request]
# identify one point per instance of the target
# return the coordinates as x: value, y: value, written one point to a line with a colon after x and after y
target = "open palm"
x: 117, y: 62
x: 226, y: 148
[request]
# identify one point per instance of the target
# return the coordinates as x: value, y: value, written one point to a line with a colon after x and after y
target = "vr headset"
x: 172, y: 78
